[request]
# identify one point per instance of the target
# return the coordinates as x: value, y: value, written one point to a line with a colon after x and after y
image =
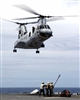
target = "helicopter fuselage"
x: 34, y: 39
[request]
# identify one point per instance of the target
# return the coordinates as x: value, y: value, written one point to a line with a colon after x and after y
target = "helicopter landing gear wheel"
x: 14, y: 50
x: 37, y: 51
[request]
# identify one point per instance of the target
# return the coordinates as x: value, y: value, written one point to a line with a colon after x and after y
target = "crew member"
x: 47, y: 88
x: 41, y: 89
x: 51, y: 88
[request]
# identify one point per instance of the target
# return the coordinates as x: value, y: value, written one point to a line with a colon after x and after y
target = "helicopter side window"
x: 19, y: 31
x: 18, y: 36
x: 29, y: 34
x: 38, y: 27
x: 33, y: 29
x: 21, y: 34
x: 24, y: 33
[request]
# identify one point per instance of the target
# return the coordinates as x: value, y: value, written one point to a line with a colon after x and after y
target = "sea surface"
x: 30, y: 89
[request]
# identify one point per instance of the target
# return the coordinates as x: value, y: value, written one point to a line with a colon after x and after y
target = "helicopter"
x: 40, y: 33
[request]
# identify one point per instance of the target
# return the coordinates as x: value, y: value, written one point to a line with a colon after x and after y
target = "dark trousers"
x: 51, y: 92
x: 41, y: 91
x: 46, y: 92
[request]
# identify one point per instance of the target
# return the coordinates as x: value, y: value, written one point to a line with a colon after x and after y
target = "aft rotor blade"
x: 25, y: 18
x: 21, y: 23
x: 11, y: 21
x: 26, y: 8
x: 26, y: 23
x: 32, y: 22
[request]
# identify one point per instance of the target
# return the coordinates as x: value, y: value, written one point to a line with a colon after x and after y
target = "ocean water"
x: 30, y: 89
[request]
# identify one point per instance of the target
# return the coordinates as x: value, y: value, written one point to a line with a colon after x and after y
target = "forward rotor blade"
x: 54, y: 18
x: 26, y: 8
x: 70, y: 16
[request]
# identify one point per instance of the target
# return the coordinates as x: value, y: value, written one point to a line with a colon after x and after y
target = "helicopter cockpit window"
x: 41, y: 27
x: 48, y: 26
x: 44, y: 26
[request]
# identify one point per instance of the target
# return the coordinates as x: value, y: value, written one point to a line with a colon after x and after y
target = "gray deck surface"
x: 34, y: 97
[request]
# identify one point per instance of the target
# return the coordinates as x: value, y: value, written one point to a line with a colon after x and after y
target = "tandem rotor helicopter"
x: 41, y: 32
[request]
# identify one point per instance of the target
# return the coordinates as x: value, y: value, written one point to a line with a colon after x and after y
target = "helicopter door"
x: 23, y: 30
x: 19, y: 34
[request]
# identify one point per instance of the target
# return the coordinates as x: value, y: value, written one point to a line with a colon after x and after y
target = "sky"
x: 60, y: 55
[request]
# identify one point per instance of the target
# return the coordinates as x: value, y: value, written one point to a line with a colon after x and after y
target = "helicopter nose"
x: 46, y: 33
